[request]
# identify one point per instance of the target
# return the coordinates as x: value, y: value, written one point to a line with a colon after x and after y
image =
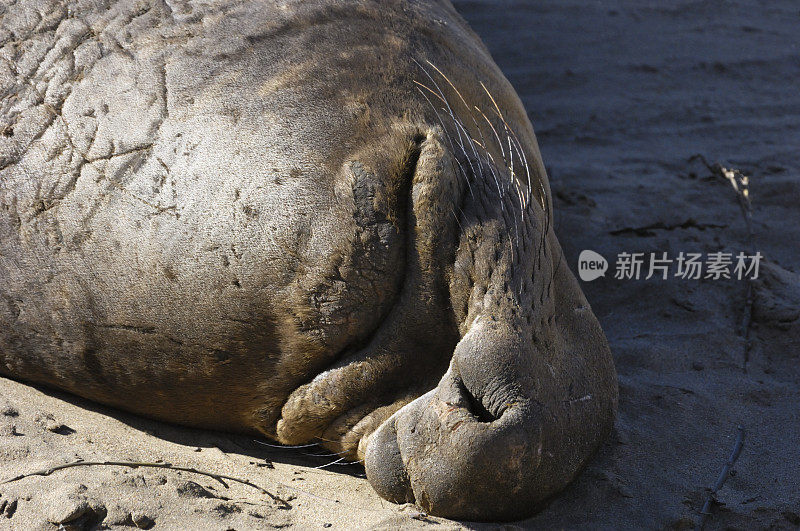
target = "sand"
x: 621, y: 94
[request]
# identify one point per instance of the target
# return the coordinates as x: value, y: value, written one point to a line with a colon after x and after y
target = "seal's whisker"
x: 513, y: 145
x: 329, y: 464
x: 286, y: 446
x: 323, y: 439
x: 439, y: 90
x: 497, y: 111
x: 332, y: 454
x: 512, y: 246
x: 515, y: 180
x: 470, y: 140
x: 459, y: 127
x: 508, y: 128
x: 496, y: 136
x: 460, y: 124
x: 344, y: 462
x: 512, y: 139
x: 496, y: 107
x: 511, y: 157
x: 489, y: 160
x: 521, y: 155
x: 528, y: 175
x: 482, y: 144
x: 441, y: 98
x: 426, y: 87
x: 463, y: 101
x: 449, y: 83
x: 449, y: 139
x: 547, y: 211
x: 523, y: 187
x: 542, y: 192
x: 456, y: 217
x: 464, y: 173
x: 521, y: 198
x: 494, y: 175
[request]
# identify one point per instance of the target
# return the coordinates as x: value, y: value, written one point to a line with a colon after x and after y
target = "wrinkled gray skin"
x: 248, y: 216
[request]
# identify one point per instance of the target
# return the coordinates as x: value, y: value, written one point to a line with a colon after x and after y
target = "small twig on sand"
x: 741, y: 185
x: 727, y: 470
x: 136, y: 464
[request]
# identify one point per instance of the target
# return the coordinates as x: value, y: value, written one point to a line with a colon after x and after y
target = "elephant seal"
x: 313, y: 220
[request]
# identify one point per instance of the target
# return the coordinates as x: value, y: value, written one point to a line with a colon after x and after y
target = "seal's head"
x: 527, y: 388
x: 530, y: 389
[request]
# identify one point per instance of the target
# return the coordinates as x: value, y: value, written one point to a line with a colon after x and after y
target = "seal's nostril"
x: 474, y: 405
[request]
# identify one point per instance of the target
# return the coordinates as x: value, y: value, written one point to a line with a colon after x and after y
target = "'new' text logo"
x: 591, y: 265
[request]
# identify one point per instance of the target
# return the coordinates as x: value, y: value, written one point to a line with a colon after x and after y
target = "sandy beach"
x: 622, y: 96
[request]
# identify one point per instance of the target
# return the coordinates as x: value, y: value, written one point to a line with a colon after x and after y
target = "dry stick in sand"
x: 727, y: 470
x: 136, y: 464
x: 741, y: 185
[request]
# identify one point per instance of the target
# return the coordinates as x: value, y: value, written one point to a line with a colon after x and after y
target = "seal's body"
x: 310, y: 220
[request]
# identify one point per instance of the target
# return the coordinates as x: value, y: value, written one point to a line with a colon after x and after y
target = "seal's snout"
x: 488, y: 443
x: 529, y: 395
x: 454, y: 449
